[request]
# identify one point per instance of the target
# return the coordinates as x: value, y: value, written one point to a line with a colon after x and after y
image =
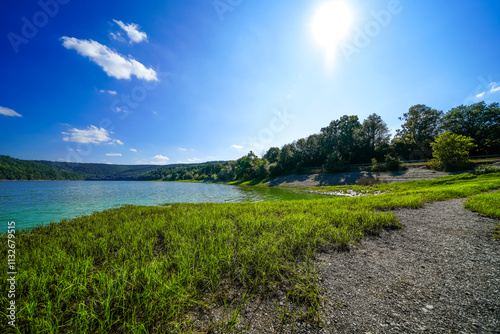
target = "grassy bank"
x: 486, y: 204
x: 149, y: 269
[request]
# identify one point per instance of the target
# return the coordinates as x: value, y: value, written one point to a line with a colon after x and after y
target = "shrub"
x: 486, y: 169
x: 377, y: 167
x: 367, y: 180
x: 451, y: 152
x: 334, y: 163
x: 391, y: 164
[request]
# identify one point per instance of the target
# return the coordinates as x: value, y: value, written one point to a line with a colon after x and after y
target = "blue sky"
x: 161, y: 82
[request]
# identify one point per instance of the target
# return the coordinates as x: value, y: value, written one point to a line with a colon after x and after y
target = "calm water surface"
x: 31, y: 203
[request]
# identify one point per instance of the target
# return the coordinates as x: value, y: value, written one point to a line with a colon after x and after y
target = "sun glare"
x: 331, y: 23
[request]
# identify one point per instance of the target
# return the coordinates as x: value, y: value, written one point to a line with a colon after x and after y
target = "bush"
x: 334, y: 163
x: 376, y: 167
x: 391, y: 164
x: 486, y: 169
x: 368, y: 180
x: 451, y: 152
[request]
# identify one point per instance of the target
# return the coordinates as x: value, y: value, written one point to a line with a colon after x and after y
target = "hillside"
x: 15, y: 169
x: 94, y: 171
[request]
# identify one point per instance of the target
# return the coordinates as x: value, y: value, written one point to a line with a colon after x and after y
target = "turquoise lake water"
x: 31, y: 203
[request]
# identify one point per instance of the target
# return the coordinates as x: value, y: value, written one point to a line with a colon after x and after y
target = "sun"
x: 331, y: 23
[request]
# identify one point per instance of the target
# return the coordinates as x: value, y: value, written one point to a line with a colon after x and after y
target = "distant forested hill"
x: 90, y: 171
x: 15, y: 169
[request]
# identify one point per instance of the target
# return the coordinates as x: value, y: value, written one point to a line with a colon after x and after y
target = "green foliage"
x: 376, y: 166
x: 479, y: 121
x: 451, y: 152
x: 391, y: 164
x: 486, y: 204
x: 373, y: 138
x: 91, y: 171
x: 486, y: 169
x: 340, y: 136
x: 335, y: 163
x: 15, y: 169
x: 272, y: 155
x: 421, y: 125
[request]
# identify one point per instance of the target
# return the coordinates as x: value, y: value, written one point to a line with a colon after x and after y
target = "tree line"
x: 347, y: 140
x: 97, y: 171
x: 15, y: 169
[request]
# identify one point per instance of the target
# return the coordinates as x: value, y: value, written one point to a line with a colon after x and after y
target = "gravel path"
x: 439, y: 274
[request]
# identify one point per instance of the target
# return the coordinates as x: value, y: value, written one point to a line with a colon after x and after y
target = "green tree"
x: 340, y: 136
x: 314, y: 155
x: 421, y: 126
x: 272, y: 155
x: 288, y: 158
x: 334, y: 163
x: 451, y: 152
x: 373, y: 138
x: 478, y: 121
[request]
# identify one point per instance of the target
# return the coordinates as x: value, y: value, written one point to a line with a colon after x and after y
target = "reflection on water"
x: 36, y: 202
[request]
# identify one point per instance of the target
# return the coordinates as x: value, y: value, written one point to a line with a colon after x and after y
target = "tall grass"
x: 487, y: 204
x: 148, y: 269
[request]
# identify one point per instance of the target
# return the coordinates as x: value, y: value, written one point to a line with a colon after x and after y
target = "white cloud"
x: 114, y: 154
x: 494, y: 88
x: 111, y: 92
x: 116, y: 141
x: 118, y: 36
x: 114, y: 64
x: 182, y: 149
x: 132, y: 31
x: 133, y: 150
x: 193, y: 160
x: 160, y: 159
x: 9, y: 112
x: 237, y: 147
x: 90, y: 135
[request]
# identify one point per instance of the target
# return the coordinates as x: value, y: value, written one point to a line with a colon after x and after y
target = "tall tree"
x: 421, y: 125
x: 288, y: 157
x: 340, y: 136
x: 272, y: 155
x: 374, y: 136
x: 478, y: 121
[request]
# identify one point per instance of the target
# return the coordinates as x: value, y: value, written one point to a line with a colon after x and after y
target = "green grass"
x: 149, y: 269
x: 486, y: 204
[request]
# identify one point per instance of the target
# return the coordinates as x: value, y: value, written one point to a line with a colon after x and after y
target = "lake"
x: 31, y: 203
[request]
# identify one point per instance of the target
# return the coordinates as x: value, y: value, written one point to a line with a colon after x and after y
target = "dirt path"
x: 440, y: 274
